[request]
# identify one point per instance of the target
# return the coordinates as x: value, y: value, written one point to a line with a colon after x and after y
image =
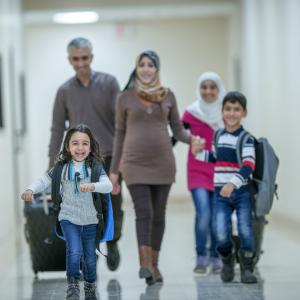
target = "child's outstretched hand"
x: 87, y: 187
x: 27, y: 195
x: 227, y: 190
x: 197, y: 145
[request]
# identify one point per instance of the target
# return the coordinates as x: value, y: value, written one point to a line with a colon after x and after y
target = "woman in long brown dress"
x: 143, y: 153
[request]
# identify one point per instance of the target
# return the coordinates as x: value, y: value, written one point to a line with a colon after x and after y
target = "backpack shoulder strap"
x: 96, y: 171
x: 55, y: 189
x: 217, y: 135
x: 241, y: 141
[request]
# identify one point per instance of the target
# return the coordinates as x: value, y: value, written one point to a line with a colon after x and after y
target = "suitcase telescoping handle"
x: 44, y: 197
x: 45, y: 203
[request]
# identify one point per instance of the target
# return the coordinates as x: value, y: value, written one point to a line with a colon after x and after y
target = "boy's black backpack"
x: 263, y: 184
x: 100, y: 200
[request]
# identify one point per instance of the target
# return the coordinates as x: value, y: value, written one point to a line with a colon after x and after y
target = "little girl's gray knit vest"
x: 77, y: 208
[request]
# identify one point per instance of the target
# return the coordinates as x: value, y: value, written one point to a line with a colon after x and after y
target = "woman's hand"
x: 114, y: 178
x: 27, y: 195
x: 227, y: 190
x: 87, y: 187
x: 197, y: 144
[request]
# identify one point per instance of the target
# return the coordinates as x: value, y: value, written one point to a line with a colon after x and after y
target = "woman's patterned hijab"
x: 154, y: 91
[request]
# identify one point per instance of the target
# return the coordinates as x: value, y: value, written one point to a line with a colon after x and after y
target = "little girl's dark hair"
x: 65, y: 156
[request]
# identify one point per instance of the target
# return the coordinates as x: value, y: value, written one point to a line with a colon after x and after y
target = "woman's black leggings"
x: 150, y: 206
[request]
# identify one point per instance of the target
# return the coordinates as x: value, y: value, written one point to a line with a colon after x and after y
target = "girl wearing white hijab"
x: 203, y: 117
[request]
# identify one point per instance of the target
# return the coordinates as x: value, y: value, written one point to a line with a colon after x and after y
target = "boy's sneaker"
x: 216, y: 264
x: 227, y: 272
x: 247, y: 266
x: 201, y: 266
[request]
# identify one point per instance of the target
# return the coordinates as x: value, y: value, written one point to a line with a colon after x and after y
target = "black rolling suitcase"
x: 47, y: 251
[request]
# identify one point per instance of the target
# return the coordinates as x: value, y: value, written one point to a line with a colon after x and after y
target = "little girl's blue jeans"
x: 80, y: 242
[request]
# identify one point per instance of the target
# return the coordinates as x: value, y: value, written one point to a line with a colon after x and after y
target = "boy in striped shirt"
x: 232, y: 192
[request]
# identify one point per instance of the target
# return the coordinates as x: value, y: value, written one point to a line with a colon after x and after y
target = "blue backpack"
x: 263, y: 184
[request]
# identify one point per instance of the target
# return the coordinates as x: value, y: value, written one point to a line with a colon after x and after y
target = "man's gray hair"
x: 80, y: 42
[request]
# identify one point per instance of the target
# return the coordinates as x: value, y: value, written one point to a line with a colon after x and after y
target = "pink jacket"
x: 199, y: 173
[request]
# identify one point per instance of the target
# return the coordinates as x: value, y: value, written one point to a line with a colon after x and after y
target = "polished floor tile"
x: 278, y: 270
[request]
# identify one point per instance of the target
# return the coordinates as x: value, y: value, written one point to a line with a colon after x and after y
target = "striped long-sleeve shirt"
x: 227, y: 168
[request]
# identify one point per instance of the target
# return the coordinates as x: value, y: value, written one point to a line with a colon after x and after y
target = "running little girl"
x: 77, y: 215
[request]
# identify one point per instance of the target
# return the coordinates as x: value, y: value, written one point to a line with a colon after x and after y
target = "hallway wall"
x: 10, y: 153
x: 271, y: 64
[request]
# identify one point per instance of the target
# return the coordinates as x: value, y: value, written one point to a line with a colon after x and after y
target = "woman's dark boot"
x: 157, y: 275
x: 73, y: 291
x: 146, y: 270
x: 90, y: 290
x: 247, y: 266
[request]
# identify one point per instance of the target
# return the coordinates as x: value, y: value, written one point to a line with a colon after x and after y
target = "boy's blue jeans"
x: 240, y: 200
x: 203, y: 201
x: 80, y: 240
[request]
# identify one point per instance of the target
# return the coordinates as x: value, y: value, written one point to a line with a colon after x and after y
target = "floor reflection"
x: 152, y: 292
x: 114, y: 290
x: 211, y: 287
x: 43, y: 289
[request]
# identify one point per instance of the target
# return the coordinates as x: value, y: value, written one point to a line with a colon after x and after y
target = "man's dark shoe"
x: 113, y: 256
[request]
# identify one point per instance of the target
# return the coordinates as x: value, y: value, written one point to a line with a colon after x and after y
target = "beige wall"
x: 186, y: 48
x: 271, y: 64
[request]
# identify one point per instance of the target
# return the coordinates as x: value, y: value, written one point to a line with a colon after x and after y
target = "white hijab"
x: 210, y: 113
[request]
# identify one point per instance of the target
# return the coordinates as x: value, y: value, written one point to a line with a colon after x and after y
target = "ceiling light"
x: 79, y: 17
